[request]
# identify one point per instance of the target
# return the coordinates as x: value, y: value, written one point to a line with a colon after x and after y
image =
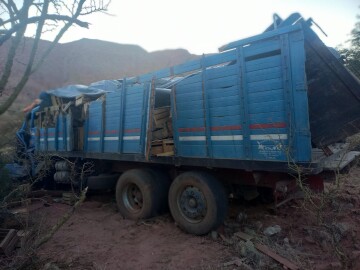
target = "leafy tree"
x: 37, y: 17
x: 351, y: 55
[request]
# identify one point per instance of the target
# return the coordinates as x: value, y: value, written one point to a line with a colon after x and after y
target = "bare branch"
x: 52, y: 17
x: 12, y: 51
x: 62, y: 12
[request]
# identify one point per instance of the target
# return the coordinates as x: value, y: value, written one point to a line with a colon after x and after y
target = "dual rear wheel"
x: 197, y: 201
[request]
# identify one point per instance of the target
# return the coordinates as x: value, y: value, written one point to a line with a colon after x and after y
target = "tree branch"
x: 20, y: 23
x: 29, y: 66
x: 52, y: 17
x: 62, y: 221
x: 12, y: 51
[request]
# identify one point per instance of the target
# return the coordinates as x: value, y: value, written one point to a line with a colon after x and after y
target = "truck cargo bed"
x: 258, y: 104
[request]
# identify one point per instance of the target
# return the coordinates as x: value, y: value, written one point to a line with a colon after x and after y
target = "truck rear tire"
x: 198, y: 202
x: 140, y: 194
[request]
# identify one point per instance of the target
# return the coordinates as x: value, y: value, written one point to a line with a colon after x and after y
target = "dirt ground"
x: 97, y: 237
x: 320, y: 232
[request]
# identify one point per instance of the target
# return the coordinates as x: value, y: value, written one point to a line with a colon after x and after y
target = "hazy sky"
x: 202, y: 26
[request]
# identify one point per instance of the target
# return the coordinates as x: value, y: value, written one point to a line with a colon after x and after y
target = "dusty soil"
x: 97, y: 237
x: 317, y: 233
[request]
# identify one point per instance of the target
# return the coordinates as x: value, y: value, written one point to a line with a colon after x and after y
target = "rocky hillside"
x: 85, y: 61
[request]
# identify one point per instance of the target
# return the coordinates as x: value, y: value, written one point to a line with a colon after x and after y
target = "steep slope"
x: 81, y: 62
x: 85, y: 61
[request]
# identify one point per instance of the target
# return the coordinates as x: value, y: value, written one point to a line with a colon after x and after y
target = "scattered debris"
x: 249, y: 231
x: 226, y: 240
x: 24, y: 236
x: 238, y: 262
x: 50, y: 266
x: 243, y: 236
x: 214, y: 235
x: 269, y: 231
x: 339, y: 230
x: 42, y: 192
x: 286, y: 241
x: 241, y: 217
x: 23, y: 202
x: 8, y: 240
x: 69, y: 198
x: 328, y: 266
x: 248, y: 250
x: 258, y: 225
x: 267, y: 251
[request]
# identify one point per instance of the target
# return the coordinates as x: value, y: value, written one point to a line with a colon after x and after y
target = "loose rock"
x: 241, y: 217
x: 214, y: 235
x: 272, y: 230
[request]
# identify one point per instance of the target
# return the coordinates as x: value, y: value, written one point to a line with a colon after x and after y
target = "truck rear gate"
x: 334, y: 94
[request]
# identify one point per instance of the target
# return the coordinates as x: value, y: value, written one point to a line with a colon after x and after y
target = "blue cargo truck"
x: 238, y: 122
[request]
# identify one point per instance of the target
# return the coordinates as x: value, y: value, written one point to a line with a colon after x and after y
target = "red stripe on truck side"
x: 268, y: 125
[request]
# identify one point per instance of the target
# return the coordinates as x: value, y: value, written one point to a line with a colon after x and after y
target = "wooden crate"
x: 162, y: 148
x: 161, y: 116
x: 160, y: 134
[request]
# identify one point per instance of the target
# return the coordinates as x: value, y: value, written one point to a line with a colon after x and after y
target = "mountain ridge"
x: 85, y: 61
x: 79, y: 62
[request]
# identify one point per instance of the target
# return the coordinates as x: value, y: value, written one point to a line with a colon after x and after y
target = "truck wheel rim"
x: 192, y: 204
x: 132, y: 198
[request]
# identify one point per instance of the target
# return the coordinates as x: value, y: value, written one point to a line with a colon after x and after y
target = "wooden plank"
x: 220, y: 58
x: 262, y: 49
x: 243, y: 236
x: 11, y: 245
x: 257, y: 38
x: 271, y: 95
x: 264, y: 74
x: 169, y: 126
x: 168, y: 147
x: 267, y: 85
x: 166, y: 154
x: 187, y: 67
x: 166, y: 72
x: 161, y: 115
x: 156, y: 149
x: 54, y: 101
x: 226, y: 102
x: 80, y: 138
x: 190, y: 81
x: 161, y: 110
x: 263, y: 63
x: 23, y: 237
x: 161, y: 123
x: 267, y: 107
x: 223, y: 82
x: 160, y: 134
x: 220, y: 72
x: 149, y: 133
x: 285, y: 262
x: 238, y: 262
x: 6, y: 241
